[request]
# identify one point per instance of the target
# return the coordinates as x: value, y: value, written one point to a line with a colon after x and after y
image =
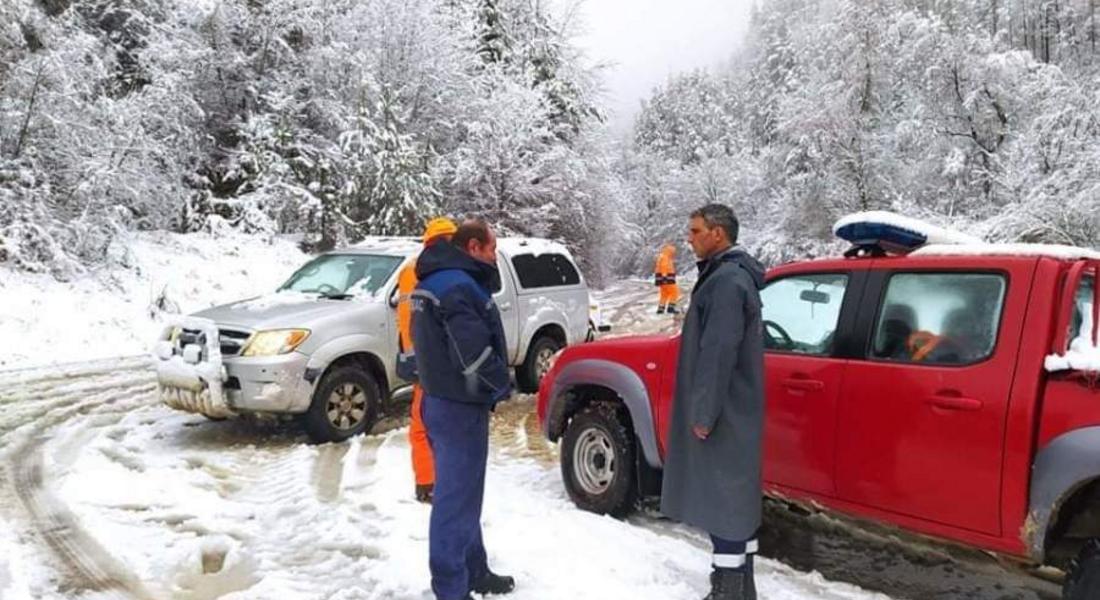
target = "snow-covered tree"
x: 332, y: 119
x: 977, y: 113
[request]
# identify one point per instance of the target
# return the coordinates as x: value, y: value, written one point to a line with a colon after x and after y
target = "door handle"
x: 955, y: 402
x: 804, y: 384
x: 505, y: 306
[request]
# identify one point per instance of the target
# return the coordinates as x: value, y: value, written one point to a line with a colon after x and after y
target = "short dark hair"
x: 473, y: 228
x: 719, y: 215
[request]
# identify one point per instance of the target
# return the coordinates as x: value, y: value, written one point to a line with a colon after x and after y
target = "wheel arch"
x: 366, y: 361
x: 1065, y: 497
x: 583, y: 382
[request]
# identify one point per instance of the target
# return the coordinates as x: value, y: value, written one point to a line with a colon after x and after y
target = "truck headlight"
x: 275, y: 342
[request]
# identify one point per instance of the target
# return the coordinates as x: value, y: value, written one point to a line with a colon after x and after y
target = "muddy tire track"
x: 514, y: 430
x: 82, y: 564
x: 252, y: 463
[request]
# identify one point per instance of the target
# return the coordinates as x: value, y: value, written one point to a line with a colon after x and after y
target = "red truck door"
x: 808, y: 317
x: 922, y: 417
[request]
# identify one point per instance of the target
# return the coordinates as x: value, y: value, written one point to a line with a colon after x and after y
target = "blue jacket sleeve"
x: 471, y: 343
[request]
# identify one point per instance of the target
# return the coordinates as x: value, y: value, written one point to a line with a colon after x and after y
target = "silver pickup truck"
x: 324, y: 346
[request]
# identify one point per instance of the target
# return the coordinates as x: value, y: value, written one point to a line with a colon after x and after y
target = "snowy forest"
x: 338, y: 119
x: 980, y: 114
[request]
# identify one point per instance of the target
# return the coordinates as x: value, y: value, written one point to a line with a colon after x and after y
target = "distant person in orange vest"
x: 438, y: 230
x: 664, y: 277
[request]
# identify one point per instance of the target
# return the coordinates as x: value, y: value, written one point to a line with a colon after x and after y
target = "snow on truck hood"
x: 278, y: 310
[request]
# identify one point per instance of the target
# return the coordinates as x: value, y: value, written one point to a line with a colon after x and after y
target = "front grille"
x: 191, y: 336
x: 232, y: 342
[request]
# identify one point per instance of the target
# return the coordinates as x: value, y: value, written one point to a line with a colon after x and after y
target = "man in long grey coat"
x: 712, y: 469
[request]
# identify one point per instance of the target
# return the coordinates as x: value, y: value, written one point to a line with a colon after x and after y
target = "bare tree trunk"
x: 1045, y: 34
x: 1056, y: 36
x: 1011, y: 29
x: 1051, y: 29
x: 1092, y: 24
x: 1027, y: 34
x: 30, y: 111
x: 868, y: 82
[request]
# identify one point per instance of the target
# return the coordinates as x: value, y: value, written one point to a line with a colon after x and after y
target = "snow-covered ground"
x: 141, y: 501
x: 105, y: 493
x: 111, y: 313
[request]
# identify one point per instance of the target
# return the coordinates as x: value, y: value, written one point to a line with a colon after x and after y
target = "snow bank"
x: 114, y: 313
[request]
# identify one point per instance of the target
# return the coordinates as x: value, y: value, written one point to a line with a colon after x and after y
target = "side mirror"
x: 814, y: 297
x: 393, y: 299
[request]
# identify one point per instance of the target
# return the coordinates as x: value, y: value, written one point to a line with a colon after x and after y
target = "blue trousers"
x: 733, y: 554
x: 458, y: 433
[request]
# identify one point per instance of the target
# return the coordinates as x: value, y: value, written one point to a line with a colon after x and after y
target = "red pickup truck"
x: 933, y: 391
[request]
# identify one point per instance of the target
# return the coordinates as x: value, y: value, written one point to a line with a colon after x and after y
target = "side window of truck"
x: 939, y: 318
x: 544, y: 270
x: 1081, y: 324
x: 801, y: 313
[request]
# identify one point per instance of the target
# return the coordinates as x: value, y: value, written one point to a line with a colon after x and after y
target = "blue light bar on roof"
x: 890, y: 238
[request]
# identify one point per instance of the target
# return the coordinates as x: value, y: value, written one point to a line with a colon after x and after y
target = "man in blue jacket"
x: 460, y: 356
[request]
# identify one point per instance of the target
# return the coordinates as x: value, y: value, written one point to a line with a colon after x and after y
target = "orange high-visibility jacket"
x: 406, y: 283
x: 422, y: 459
x: 664, y: 275
x: 665, y: 270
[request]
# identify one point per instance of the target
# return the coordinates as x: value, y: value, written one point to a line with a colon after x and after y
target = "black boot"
x: 672, y: 310
x: 727, y: 584
x: 491, y: 583
x: 424, y: 493
x: 660, y: 309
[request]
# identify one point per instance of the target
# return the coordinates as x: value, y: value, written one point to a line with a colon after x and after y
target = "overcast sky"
x: 647, y: 40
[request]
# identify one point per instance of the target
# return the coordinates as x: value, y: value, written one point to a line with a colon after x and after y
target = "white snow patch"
x: 402, y: 246
x: 112, y: 313
x: 1054, y: 251
x: 536, y: 246
x: 1081, y: 356
x: 13, y: 569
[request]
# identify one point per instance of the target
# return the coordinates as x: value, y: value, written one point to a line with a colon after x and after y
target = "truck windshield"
x: 343, y: 274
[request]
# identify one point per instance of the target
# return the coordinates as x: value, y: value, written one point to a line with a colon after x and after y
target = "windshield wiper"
x: 337, y: 296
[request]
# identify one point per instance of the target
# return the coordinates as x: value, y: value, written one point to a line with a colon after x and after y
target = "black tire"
x: 598, y: 461
x: 529, y: 374
x: 345, y: 404
x: 1083, y: 576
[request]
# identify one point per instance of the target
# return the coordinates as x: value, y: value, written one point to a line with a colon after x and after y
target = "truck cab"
x: 948, y: 390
